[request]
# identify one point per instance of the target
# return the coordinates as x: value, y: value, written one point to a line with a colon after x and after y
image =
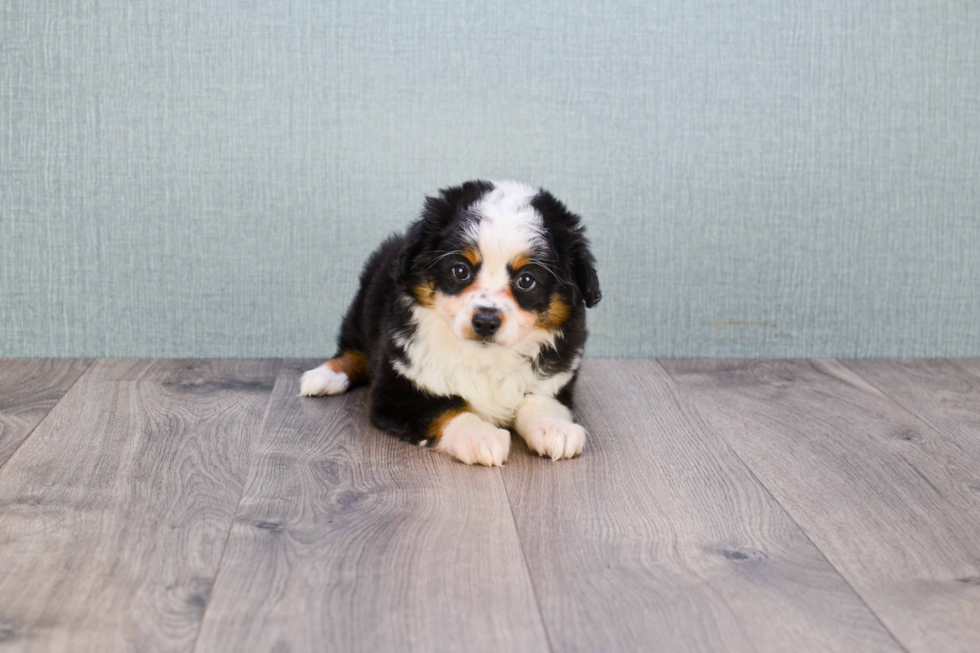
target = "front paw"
x: 473, y: 441
x: 556, y: 440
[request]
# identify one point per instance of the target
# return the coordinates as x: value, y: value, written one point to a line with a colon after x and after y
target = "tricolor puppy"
x: 471, y: 324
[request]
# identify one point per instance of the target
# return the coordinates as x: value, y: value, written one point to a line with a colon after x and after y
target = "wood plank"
x: 29, y: 389
x: 658, y: 538
x: 348, y: 540
x: 971, y: 365
x: 877, y: 490
x: 941, y: 393
x: 114, y: 513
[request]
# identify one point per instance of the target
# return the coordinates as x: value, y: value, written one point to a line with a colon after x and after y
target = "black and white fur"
x: 471, y: 324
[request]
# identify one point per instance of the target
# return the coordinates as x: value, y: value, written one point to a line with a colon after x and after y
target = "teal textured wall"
x: 760, y: 177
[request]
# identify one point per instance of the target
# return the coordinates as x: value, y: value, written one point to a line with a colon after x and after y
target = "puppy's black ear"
x: 414, y: 244
x: 568, y: 238
x: 426, y: 232
x: 583, y: 269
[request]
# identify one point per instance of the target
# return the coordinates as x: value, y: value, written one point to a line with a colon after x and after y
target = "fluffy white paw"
x: 557, y: 440
x: 471, y: 440
x: 323, y: 381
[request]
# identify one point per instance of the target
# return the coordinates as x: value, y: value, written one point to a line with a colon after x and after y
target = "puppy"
x: 472, y: 323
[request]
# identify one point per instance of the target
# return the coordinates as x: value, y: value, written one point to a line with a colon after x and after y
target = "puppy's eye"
x: 525, y: 282
x: 461, y: 272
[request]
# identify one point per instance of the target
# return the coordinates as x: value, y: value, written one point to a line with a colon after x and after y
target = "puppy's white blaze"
x: 492, y: 379
x: 323, y: 381
x: 507, y: 226
x: 547, y: 427
x: 471, y: 440
x: 508, y: 207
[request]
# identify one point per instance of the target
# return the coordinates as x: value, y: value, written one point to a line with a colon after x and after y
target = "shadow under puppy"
x: 472, y: 323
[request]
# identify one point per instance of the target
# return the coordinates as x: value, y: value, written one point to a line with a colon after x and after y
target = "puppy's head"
x: 498, y: 262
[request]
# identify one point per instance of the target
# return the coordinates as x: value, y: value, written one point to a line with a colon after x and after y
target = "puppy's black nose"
x: 486, y: 324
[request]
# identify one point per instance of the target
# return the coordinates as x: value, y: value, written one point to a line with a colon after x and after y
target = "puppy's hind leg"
x: 335, y: 376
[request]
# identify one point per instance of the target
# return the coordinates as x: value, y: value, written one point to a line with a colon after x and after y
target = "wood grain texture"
x: 971, y: 365
x: 29, y: 389
x: 659, y: 538
x: 114, y: 513
x: 880, y: 492
x: 941, y: 393
x: 347, y: 540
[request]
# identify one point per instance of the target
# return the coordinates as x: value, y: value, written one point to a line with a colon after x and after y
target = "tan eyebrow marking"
x: 520, y: 261
x: 472, y: 254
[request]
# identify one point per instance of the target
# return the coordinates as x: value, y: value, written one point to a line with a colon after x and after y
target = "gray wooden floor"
x: 718, y: 506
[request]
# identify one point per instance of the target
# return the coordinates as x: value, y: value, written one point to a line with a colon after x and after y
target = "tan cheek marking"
x: 472, y: 254
x: 352, y: 363
x: 555, y: 315
x: 438, y: 425
x: 425, y: 293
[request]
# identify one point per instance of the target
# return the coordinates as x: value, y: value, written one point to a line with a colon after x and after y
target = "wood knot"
x: 908, y: 435
x: 10, y: 631
x: 349, y: 498
x: 203, y: 387
x: 741, y: 555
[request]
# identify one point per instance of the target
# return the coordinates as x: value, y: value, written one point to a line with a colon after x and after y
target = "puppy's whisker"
x: 441, y: 256
x: 554, y: 272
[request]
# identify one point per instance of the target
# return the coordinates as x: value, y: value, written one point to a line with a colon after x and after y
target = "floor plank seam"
x: 91, y: 362
x: 789, y: 514
x: 955, y: 362
x: 241, y: 495
x: 530, y: 577
x: 914, y: 414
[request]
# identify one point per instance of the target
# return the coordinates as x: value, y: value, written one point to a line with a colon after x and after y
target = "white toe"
x: 472, y: 441
x: 323, y: 381
x: 557, y: 440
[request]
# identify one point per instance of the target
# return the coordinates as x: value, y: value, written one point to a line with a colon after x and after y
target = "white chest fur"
x: 492, y: 379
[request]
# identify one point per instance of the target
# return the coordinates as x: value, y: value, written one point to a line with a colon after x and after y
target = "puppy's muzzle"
x: 486, y: 323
